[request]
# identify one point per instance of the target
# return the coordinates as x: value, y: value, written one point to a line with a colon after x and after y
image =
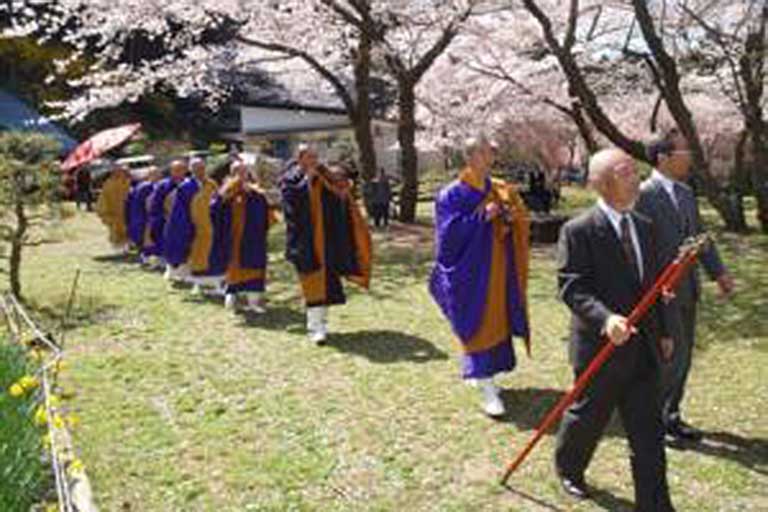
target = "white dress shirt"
x: 615, y: 218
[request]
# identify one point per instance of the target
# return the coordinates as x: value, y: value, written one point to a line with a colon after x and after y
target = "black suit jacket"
x: 594, y: 281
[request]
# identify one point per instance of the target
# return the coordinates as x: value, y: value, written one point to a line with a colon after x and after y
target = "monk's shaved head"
x: 178, y: 169
x: 154, y: 173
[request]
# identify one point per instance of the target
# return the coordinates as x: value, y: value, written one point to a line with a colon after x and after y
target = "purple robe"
x: 137, y: 212
x: 460, y: 278
x: 253, y: 243
x: 156, y: 217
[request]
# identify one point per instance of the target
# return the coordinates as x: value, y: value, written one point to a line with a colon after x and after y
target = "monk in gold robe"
x: 111, y: 207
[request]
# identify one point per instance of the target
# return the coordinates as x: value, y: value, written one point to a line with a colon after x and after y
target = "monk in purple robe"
x: 160, y: 202
x: 190, y: 234
x: 479, y: 279
x: 138, y: 210
x: 244, y: 220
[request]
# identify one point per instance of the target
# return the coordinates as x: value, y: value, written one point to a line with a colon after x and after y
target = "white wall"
x: 255, y: 120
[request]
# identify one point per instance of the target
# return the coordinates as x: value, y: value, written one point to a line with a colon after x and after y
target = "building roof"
x: 17, y: 115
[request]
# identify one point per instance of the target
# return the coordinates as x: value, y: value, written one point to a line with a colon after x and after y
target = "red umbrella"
x: 99, y: 144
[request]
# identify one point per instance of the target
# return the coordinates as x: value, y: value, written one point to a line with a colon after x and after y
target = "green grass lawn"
x: 185, y: 407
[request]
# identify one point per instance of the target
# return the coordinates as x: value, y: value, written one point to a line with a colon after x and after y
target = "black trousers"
x: 380, y: 214
x: 84, y: 195
x: 633, y: 389
x: 676, y: 372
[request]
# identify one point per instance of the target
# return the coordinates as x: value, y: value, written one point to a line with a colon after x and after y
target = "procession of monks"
x: 214, y: 236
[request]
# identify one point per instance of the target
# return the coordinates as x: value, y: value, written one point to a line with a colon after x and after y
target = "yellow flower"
x: 52, y: 507
x: 46, y: 439
x: 61, y: 365
x: 41, y: 418
x: 36, y: 355
x: 54, y: 400
x: 28, y: 382
x: 16, y: 390
x: 58, y: 421
x: 76, y: 467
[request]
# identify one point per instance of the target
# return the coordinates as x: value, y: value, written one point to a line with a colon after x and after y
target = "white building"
x: 279, y: 128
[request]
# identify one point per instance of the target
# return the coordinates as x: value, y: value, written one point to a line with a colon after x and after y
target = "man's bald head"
x: 601, y: 166
x: 613, y: 175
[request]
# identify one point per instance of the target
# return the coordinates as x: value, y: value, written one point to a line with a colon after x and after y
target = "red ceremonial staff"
x: 665, y: 284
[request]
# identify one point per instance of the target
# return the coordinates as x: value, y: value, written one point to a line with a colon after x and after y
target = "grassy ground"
x: 23, y: 475
x: 187, y: 408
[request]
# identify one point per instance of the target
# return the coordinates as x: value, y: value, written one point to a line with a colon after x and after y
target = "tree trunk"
x: 585, y: 129
x: 362, y: 117
x: 406, y: 136
x: 759, y: 178
x: 752, y: 72
x: 17, y: 242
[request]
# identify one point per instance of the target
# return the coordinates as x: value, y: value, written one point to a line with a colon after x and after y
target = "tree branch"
x: 719, y: 38
x: 570, y: 33
x: 581, y: 89
x: 345, y: 14
x: 328, y: 75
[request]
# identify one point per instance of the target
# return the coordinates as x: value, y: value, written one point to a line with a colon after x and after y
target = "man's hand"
x: 667, y: 346
x: 618, y: 330
x: 725, y: 285
x: 492, y: 210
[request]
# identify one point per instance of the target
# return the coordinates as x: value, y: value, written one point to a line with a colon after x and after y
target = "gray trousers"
x: 675, y: 373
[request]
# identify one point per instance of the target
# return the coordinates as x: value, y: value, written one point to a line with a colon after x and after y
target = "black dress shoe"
x: 575, y: 487
x: 681, y: 431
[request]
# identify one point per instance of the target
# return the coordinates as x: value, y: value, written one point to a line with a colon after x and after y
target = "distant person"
x: 83, y: 192
x: 539, y: 195
x: 381, y: 197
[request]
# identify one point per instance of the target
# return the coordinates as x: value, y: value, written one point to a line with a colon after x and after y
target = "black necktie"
x: 627, y: 246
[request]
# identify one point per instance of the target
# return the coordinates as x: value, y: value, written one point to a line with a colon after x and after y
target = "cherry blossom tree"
x: 624, y: 67
x: 307, y: 47
x: 734, y: 51
x: 312, y: 47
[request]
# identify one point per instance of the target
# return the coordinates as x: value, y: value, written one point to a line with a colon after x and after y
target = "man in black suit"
x: 671, y: 205
x: 606, y: 261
